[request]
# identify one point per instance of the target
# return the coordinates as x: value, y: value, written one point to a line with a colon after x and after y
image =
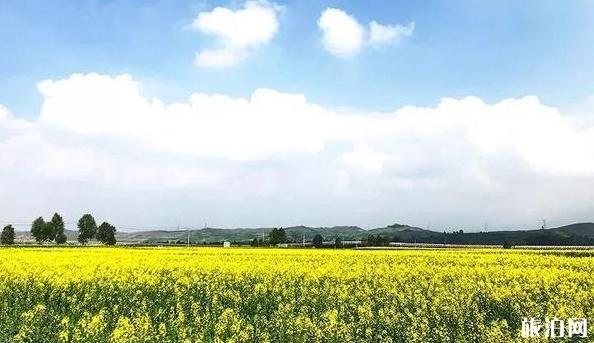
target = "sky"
x: 438, y: 114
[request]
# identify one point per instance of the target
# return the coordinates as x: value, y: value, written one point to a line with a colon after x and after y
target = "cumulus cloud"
x: 276, y: 158
x: 344, y: 36
x: 238, y: 32
x: 384, y: 34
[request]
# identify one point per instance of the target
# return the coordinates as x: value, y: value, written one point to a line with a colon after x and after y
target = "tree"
x: 57, y: 226
x: 318, y: 241
x: 277, y: 236
x: 106, y: 234
x: 338, y: 242
x: 49, y: 231
x: 38, y: 230
x: 61, y: 238
x: 7, y: 236
x: 379, y: 240
x: 87, y: 228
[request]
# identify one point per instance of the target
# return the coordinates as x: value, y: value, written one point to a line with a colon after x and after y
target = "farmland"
x: 294, y: 295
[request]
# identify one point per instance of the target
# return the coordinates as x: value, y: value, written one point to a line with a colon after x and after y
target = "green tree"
x: 277, y: 236
x: 338, y: 242
x: 7, y: 236
x: 57, y: 226
x: 38, y: 230
x: 87, y: 228
x: 318, y: 241
x: 379, y: 240
x: 106, y: 234
x: 61, y: 238
x: 272, y: 236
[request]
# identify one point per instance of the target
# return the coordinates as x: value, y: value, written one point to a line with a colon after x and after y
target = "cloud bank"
x: 277, y: 159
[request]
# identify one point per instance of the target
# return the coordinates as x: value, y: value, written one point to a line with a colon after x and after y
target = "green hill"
x: 294, y: 233
x: 574, y: 234
x: 580, y: 229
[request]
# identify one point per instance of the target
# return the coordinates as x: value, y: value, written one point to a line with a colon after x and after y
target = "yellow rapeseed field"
x: 290, y: 295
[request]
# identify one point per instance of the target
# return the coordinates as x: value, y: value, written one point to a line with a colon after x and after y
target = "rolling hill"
x: 294, y: 233
x: 574, y: 234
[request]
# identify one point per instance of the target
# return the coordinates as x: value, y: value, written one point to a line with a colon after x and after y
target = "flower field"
x: 290, y: 295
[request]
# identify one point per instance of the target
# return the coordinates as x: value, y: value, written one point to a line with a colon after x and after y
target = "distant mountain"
x: 294, y: 233
x: 579, y: 229
x: 574, y: 234
x: 394, y: 229
x: 25, y: 236
x: 209, y: 235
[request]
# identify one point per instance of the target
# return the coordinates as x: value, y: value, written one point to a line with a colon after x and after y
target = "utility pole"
x: 544, y: 224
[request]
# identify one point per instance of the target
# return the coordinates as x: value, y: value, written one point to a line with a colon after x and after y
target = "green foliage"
x: 338, y: 242
x: 106, y: 234
x: 318, y: 241
x: 7, y: 236
x: 49, y: 232
x: 38, y: 230
x: 378, y: 240
x: 57, y: 226
x: 61, y: 238
x: 277, y: 236
x: 87, y: 228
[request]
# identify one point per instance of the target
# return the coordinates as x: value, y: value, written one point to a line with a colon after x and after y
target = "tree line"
x: 53, y: 231
x: 279, y: 236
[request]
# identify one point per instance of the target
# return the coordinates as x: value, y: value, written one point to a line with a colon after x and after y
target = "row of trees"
x: 279, y: 236
x: 53, y: 231
x: 88, y: 229
x: 276, y: 236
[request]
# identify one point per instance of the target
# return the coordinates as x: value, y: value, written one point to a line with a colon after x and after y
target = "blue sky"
x: 454, y: 113
x: 493, y: 50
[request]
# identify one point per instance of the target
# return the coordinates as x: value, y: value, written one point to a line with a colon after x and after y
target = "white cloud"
x: 367, y: 159
x: 100, y: 144
x: 238, y: 32
x: 4, y: 114
x: 384, y: 34
x: 207, y: 125
x: 344, y: 36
